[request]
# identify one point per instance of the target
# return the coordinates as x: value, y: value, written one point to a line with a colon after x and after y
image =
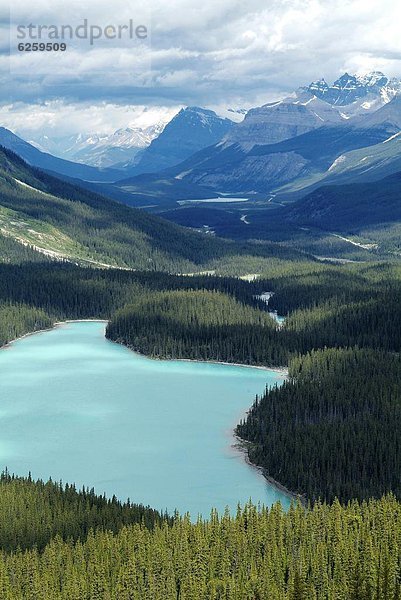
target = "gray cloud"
x: 213, y: 53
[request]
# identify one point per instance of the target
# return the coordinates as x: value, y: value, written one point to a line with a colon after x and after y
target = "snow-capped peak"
x: 372, y: 79
x: 320, y: 86
x: 373, y: 88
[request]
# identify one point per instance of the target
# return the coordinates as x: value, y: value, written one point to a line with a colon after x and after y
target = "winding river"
x: 77, y: 407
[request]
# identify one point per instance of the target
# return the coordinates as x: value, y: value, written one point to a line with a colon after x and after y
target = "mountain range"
x: 373, y: 89
x: 237, y: 178
x: 287, y: 140
x: 125, y: 153
x: 48, y: 162
x: 60, y: 221
x: 114, y: 150
x: 286, y: 148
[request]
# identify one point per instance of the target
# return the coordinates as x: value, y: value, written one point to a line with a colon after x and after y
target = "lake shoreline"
x: 84, y: 399
x: 239, y: 444
x: 281, y: 370
x: 243, y: 446
x: 55, y: 325
x: 26, y: 335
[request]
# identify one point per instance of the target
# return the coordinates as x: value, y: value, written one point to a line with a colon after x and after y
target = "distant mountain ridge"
x: 135, y: 150
x: 278, y: 121
x: 48, y: 162
x: 350, y: 88
x: 102, y: 150
x: 318, y: 134
x: 362, y: 162
x: 192, y: 129
x: 297, y: 138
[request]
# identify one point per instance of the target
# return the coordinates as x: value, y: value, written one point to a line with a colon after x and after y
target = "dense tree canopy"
x: 34, y: 512
x: 334, y: 428
x: 327, y: 552
x: 202, y: 325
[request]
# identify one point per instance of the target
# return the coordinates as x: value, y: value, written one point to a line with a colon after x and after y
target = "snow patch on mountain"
x: 338, y: 161
x: 392, y: 137
x: 102, y: 149
x: 367, y: 91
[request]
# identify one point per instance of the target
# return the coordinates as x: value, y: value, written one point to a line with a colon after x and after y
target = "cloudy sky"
x: 214, y: 53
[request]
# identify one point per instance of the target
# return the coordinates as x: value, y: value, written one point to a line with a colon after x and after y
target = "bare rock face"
x: 358, y: 111
x: 254, y: 173
x: 282, y: 120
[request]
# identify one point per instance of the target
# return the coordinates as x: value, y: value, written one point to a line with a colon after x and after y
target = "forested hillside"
x: 12, y: 252
x: 333, y: 429
x: 325, y: 305
x: 34, y: 296
x: 344, y: 207
x: 201, y: 325
x: 328, y: 307
x: 34, y: 512
x: 327, y: 552
x: 65, y: 222
x: 18, y: 319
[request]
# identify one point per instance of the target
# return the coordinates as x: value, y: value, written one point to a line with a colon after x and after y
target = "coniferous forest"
x: 326, y: 551
x: 333, y: 429
x: 330, y: 434
x: 200, y: 243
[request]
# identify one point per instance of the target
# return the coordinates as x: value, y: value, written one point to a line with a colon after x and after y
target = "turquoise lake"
x: 79, y: 408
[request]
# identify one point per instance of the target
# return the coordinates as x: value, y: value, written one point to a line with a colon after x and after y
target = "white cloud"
x: 209, y: 53
x: 57, y: 118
